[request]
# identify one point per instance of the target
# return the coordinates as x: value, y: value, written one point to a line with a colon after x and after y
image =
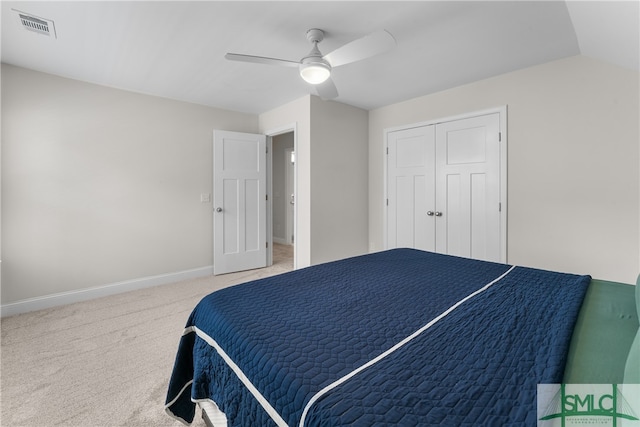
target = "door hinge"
x: 500, y: 207
x: 387, y: 202
x: 499, y: 136
x: 266, y: 149
x: 387, y: 150
x: 266, y: 197
x: 267, y: 244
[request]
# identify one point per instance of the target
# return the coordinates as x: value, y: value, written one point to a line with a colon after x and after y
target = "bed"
x: 399, y: 337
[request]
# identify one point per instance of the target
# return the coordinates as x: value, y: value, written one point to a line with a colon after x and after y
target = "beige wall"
x: 331, y: 177
x: 101, y: 185
x: 573, y: 162
x: 339, y: 185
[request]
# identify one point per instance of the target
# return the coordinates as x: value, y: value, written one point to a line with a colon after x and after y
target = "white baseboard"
x: 63, y: 298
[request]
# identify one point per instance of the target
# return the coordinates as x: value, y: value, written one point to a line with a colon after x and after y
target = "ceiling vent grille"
x: 36, y: 24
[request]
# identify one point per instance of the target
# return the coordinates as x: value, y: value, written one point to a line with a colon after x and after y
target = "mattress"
x: 400, y: 337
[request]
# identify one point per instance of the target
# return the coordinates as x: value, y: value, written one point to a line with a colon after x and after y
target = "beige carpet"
x: 104, y: 362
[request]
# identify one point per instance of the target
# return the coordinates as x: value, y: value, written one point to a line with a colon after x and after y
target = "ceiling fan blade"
x: 327, y: 90
x: 362, y: 48
x: 261, y: 60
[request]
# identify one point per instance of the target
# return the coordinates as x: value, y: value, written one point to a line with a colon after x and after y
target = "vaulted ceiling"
x: 176, y: 49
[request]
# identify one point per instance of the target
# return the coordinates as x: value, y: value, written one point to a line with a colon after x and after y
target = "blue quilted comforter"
x: 401, y: 337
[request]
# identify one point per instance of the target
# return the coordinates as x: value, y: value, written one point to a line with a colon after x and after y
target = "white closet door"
x: 411, y: 188
x: 468, y: 188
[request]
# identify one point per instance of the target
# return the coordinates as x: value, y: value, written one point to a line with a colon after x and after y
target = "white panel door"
x: 468, y: 221
x: 239, y: 202
x: 411, y: 188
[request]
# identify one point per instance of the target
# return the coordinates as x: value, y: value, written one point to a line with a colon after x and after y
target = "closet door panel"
x: 411, y: 188
x: 468, y: 187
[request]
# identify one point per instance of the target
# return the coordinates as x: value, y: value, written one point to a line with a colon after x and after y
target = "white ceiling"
x: 176, y: 49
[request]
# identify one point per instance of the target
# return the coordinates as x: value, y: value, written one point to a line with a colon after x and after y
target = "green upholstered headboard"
x: 632, y: 369
x: 605, y: 330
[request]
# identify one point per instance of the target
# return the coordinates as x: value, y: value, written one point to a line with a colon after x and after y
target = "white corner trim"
x: 63, y: 298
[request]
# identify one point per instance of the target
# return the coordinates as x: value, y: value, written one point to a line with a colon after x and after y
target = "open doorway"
x: 283, y: 190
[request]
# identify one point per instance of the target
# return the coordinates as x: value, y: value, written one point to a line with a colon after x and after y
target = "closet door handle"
x: 429, y: 213
x: 438, y: 213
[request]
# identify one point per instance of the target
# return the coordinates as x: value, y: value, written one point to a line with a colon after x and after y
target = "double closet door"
x: 444, y: 191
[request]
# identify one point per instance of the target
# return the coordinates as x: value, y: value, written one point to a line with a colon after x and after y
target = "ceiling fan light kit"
x: 316, y: 69
x: 315, y: 72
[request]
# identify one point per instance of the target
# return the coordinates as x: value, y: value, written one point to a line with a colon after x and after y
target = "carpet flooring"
x: 104, y: 362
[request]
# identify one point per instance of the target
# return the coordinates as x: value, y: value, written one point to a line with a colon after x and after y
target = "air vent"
x: 36, y: 24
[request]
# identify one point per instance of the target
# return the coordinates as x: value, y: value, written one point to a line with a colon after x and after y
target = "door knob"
x: 429, y: 213
x: 438, y: 213
x: 218, y: 209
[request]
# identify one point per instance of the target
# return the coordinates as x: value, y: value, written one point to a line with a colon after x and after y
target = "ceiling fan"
x: 316, y: 68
